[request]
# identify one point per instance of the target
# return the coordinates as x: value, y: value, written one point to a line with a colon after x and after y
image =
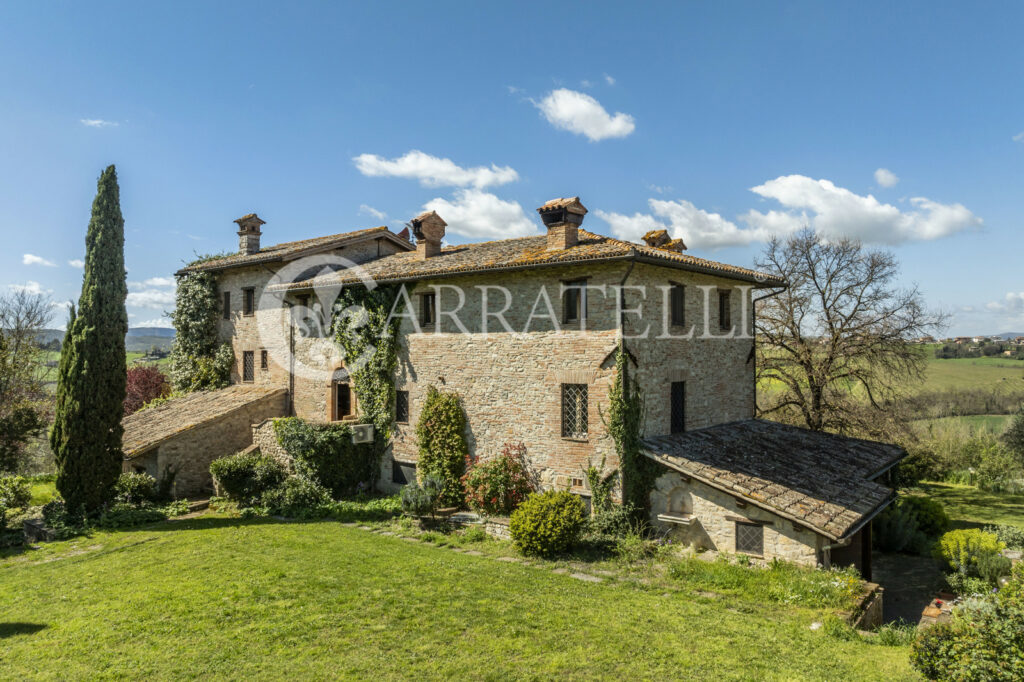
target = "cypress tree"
x: 86, y: 435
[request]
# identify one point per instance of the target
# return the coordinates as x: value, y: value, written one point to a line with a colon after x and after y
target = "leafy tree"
x: 440, y: 432
x: 145, y: 383
x: 199, y: 361
x: 838, y: 333
x: 1014, y: 435
x: 86, y: 435
x: 23, y: 400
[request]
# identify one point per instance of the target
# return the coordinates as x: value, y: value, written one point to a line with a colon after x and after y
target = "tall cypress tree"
x: 86, y: 435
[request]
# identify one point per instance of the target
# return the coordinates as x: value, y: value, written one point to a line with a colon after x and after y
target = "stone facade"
x: 713, y: 515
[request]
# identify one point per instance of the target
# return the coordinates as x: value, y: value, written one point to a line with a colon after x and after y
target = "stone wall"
x: 264, y: 438
x: 191, y: 452
x: 714, y: 515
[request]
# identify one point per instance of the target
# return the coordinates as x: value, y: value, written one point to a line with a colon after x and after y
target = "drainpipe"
x: 622, y: 299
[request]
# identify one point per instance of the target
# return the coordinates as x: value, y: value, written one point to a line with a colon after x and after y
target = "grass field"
x: 985, y: 373
x: 976, y: 423
x: 238, y: 599
x: 969, y: 507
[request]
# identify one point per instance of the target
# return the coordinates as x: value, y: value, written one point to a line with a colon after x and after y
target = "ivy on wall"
x: 370, y: 343
x: 441, y: 435
x: 624, y: 424
x: 198, y: 360
x: 325, y: 453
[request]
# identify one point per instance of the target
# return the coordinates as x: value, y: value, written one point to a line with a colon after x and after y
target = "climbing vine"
x: 624, y: 423
x: 441, y: 434
x: 370, y: 342
x: 198, y: 360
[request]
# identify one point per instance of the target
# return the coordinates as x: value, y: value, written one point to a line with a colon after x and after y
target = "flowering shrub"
x: 145, y: 383
x: 962, y: 550
x: 499, y: 485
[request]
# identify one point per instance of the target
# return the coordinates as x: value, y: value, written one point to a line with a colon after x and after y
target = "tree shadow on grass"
x: 12, y: 629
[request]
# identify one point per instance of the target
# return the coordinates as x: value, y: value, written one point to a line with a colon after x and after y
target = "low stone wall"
x: 867, y: 614
x: 497, y: 527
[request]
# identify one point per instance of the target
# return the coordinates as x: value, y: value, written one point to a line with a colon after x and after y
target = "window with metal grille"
x: 264, y: 360
x: 574, y: 300
x: 678, y: 406
x: 248, y: 365
x: 428, y: 309
x: 402, y: 407
x: 402, y: 472
x: 248, y: 301
x: 677, y: 303
x: 227, y: 305
x: 342, y: 401
x: 725, y: 310
x: 750, y: 538
x: 574, y: 411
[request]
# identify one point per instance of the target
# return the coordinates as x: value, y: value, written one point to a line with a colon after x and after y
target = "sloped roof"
x: 289, y: 250
x: 818, y: 480
x: 528, y: 252
x: 148, y: 428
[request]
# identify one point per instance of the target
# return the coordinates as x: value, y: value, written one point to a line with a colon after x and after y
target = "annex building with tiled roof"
x: 526, y: 330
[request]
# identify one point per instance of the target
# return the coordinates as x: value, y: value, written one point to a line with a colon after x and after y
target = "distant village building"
x: 728, y: 482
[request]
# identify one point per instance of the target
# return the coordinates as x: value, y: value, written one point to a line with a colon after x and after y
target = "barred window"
x: 248, y: 365
x: 574, y: 411
x: 724, y: 310
x: 750, y: 538
x: 677, y: 302
x: 248, y: 301
x: 264, y: 360
x: 227, y: 305
x: 678, y: 406
x: 402, y: 407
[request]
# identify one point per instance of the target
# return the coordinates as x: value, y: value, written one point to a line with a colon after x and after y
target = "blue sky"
x: 899, y: 123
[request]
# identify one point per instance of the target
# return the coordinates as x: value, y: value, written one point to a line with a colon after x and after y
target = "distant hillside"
x: 150, y: 331
x: 137, y: 338
x: 1009, y: 335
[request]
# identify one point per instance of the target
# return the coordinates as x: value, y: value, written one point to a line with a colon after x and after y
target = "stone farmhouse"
x: 537, y: 373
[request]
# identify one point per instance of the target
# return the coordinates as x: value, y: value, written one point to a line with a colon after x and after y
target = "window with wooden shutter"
x: 248, y: 365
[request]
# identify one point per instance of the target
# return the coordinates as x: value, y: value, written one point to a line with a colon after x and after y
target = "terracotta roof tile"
x: 148, y: 428
x: 819, y: 480
x: 527, y: 252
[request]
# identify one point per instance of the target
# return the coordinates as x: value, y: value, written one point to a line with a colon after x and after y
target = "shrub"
x: 15, y: 493
x: 246, y: 476
x: 135, y: 489
x: 420, y: 499
x: 121, y: 515
x: 55, y: 513
x: 965, y: 585
x: 634, y: 546
x: 895, y: 530
x: 297, y: 497
x: 962, y: 549
x: 326, y: 454
x: 474, y: 534
x: 615, y: 522
x: 1011, y: 536
x: 145, y: 383
x: 497, y: 486
x: 547, y: 523
x: 440, y: 433
x: 929, y: 514
x: 983, y: 641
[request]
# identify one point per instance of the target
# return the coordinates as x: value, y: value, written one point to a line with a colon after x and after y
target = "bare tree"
x: 832, y: 349
x: 23, y: 399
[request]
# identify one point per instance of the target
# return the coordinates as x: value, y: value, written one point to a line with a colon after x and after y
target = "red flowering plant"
x: 496, y: 486
x: 145, y: 383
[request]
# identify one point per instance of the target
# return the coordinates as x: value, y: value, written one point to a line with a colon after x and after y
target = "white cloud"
x: 837, y: 212
x: 1012, y: 303
x: 580, y: 113
x: 683, y: 220
x: 886, y: 178
x: 31, y: 259
x: 586, y: 84
x: 162, y: 322
x: 432, y: 171
x: 477, y: 214
x: 1019, y: 137
x: 609, y: 80
x: 30, y: 287
x: 156, y: 293
x: 160, y: 282
x: 372, y: 212
x: 98, y: 123
x: 77, y: 263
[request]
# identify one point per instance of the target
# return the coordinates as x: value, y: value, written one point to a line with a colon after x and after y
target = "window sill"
x: 575, y: 440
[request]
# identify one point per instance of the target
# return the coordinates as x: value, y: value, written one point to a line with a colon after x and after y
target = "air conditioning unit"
x: 362, y: 433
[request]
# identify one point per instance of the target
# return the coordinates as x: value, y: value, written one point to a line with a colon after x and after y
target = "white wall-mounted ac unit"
x: 362, y: 433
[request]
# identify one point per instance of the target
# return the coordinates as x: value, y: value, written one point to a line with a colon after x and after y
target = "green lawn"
x: 976, y: 423
x: 267, y: 600
x: 969, y: 507
x: 943, y: 375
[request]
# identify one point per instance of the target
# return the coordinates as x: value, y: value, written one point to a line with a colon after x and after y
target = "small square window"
x: 574, y: 301
x: 248, y: 301
x: 724, y: 310
x: 248, y: 365
x: 227, y: 305
x: 576, y: 482
x: 402, y: 407
x: 428, y: 309
x: 750, y: 538
x: 677, y: 303
x: 264, y: 360
x: 574, y: 411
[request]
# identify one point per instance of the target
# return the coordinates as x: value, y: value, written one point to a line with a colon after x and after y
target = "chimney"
x: 659, y: 239
x: 249, y: 233
x: 563, y: 218
x: 429, y: 231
